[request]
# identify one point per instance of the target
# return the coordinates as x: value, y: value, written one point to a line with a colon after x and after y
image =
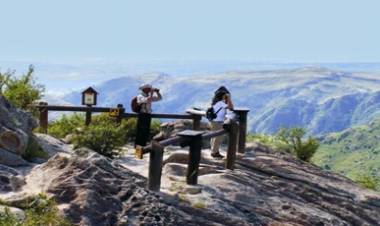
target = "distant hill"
x: 353, y: 152
x: 317, y: 98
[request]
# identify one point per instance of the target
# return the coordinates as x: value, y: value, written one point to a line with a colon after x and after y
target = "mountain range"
x: 319, y: 99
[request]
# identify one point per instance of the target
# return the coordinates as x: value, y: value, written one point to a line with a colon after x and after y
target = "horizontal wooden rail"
x: 179, y: 139
x: 118, y: 112
x: 171, y: 141
x: 164, y: 143
x: 107, y: 109
x: 164, y: 116
x: 73, y: 108
x: 214, y: 134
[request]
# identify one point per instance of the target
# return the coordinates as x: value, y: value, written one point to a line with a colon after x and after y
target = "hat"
x: 223, y: 90
x: 144, y: 86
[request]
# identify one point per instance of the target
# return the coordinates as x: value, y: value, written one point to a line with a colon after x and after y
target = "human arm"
x: 158, y: 97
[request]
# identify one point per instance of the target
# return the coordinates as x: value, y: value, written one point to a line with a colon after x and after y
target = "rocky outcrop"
x: 15, y: 119
x: 271, y: 188
x: 266, y: 188
x: 10, y: 159
x: 52, y: 145
x: 11, y: 179
x: 93, y: 190
x: 15, y: 131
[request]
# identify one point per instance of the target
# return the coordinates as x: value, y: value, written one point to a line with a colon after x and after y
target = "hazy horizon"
x: 65, y: 77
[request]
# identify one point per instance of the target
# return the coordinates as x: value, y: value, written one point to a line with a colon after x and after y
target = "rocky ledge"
x: 266, y: 188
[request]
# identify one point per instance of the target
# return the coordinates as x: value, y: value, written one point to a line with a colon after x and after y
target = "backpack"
x: 135, y: 106
x: 211, y: 114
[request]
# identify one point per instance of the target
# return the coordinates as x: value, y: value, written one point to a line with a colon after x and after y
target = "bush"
x: 8, y: 219
x: 267, y: 140
x: 66, y: 125
x: 289, y: 140
x: 367, y: 181
x: 41, y: 211
x: 296, y: 144
x: 104, y: 135
x: 21, y: 92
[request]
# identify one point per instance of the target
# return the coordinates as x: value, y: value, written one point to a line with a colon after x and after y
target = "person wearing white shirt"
x: 144, y: 100
x: 147, y: 96
x: 221, y: 104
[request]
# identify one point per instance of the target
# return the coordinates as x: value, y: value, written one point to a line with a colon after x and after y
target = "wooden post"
x: 44, y: 117
x: 232, y: 145
x: 155, y: 166
x: 195, y: 141
x: 88, y: 116
x: 121, y: 113
x: 242, y: 114
x: 197, y: 122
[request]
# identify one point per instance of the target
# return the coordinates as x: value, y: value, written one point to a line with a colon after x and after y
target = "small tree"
x: 295, y: 144
x: 23, y: 91
x: 4, y: 78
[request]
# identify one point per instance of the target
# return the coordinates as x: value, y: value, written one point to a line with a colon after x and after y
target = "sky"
x: 141, y: 30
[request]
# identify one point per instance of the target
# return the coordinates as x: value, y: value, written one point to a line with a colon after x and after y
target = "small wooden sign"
x: 115, y: 112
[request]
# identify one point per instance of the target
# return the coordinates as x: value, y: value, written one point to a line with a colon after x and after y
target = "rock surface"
x: 269, y: 188
x: 52, y: 145
x: 15, y: 119
x: 16, y: 212
x: 11, y: 159
x: 11, y: 179
x: 15, y: 130
x: 266, y: 188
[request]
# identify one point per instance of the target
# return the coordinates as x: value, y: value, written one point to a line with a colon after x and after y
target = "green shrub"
x: 307, y: 149
x: 22, y: 91
x: 8, y: 219
x: 103, y: 135
x: 66, y: 125
x: 40, y: 212
x: 155, y: 127
x: 289, y: 140
x: 294, y: 141
x: 367, y: 181
x: 44, y: 211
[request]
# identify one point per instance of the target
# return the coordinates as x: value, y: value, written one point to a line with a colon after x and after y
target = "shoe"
x: 217, y: 155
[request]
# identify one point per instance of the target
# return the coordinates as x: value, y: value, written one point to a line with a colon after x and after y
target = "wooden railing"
x: 193, y: 139
x: 119, y: 113
x: 236, y: 130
